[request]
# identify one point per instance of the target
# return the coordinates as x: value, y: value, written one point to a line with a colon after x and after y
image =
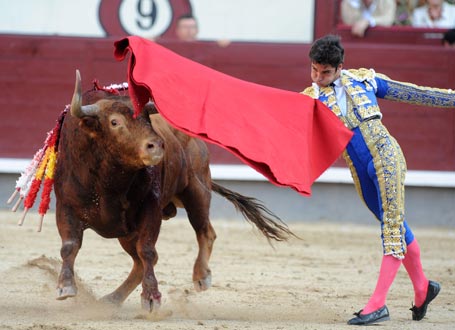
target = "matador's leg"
x: 378, y: 167
x: 378, y: 181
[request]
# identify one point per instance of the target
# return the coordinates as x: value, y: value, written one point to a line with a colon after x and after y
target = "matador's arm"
x: 410, y: 93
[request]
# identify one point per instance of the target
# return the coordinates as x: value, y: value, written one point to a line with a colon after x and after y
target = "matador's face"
x: 324, y: 74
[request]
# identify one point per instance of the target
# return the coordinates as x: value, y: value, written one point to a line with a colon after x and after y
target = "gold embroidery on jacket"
x: 390, y: 169
x: 411, y: 93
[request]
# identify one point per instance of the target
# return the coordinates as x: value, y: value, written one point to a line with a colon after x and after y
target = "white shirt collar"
x: 337, y: 83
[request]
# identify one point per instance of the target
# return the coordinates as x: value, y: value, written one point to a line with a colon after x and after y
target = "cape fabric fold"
x: 288, y: 137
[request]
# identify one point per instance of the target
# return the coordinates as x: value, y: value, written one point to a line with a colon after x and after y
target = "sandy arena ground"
x: 313, y: 283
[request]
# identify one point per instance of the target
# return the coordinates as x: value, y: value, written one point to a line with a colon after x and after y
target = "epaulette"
x: 310, y: 91
x: 361, y: 74
x: 382, y: 76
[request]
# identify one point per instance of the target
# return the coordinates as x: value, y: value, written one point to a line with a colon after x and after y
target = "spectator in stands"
x: 404, y: 11
x: 362, y: 14
x: 448, y: 40
x: 435, y: 14
x: 377, y: 164
x: 186, y: 28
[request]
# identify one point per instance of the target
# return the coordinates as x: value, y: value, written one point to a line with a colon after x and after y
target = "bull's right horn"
x: 77, y: 109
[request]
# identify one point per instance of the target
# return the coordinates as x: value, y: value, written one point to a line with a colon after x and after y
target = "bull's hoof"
x: 66, y: 292
x: 149, y: 305
x: 203, y: 284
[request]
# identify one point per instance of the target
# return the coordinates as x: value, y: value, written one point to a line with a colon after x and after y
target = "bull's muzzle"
x: 151, y: 151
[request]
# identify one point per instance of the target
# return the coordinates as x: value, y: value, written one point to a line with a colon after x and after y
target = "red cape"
x: 288, y: 137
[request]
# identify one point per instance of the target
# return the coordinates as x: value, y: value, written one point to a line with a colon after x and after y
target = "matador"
x: 376, y: 163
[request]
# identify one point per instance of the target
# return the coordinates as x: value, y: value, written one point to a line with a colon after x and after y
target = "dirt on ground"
x: 315, y: 282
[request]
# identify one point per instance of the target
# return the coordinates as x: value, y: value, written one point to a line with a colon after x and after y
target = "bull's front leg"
x: 71, y: 233
x: 148, y: 235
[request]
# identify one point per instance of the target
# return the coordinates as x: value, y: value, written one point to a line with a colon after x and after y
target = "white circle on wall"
x: 145, y: 17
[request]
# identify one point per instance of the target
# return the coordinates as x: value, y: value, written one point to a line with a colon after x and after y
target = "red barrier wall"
x: 37, y: 79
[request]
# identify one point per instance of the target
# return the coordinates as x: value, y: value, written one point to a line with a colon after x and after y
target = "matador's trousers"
x: 378, y: 168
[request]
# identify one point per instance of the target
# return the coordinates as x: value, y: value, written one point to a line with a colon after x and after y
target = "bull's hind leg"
x: 135, y: 276
x: 71, y: 233
x: 196, y: 201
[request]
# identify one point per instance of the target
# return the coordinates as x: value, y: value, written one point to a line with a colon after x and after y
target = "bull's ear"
x: 90, y: 124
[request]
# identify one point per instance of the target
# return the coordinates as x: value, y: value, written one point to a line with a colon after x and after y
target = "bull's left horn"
x: 77, y: 109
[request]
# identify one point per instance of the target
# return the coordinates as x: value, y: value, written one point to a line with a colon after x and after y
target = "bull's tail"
x: 270, y: 225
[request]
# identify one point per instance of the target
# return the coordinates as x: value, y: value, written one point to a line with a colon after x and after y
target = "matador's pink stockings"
x: 387, y: 273
x: 389, y: 268
x: 413, y: 266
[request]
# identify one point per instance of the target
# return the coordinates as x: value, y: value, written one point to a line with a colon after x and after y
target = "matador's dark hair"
x: 327, y: 50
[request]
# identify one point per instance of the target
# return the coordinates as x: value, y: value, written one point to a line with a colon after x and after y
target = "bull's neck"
x: 116, y: 178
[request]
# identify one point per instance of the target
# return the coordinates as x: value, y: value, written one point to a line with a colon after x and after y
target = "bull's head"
x: 130, y: 141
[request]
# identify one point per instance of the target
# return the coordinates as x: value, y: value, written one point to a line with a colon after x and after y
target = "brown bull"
x: 121, y: 176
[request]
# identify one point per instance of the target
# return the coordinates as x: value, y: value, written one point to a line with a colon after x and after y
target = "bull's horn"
x: 77, y: 109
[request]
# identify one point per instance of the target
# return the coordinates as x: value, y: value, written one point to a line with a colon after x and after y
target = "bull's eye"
x: 114, y: 122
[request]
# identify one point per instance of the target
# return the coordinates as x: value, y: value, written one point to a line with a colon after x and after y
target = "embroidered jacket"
x: 364, y: 86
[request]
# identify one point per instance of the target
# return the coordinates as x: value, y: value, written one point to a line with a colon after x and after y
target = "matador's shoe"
x: 418, y: 313
x: 379, y: 315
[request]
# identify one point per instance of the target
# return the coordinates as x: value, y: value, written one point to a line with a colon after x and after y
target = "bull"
x: 121, y: 176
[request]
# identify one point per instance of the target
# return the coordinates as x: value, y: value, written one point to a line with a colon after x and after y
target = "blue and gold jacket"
x: 364, y: 86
